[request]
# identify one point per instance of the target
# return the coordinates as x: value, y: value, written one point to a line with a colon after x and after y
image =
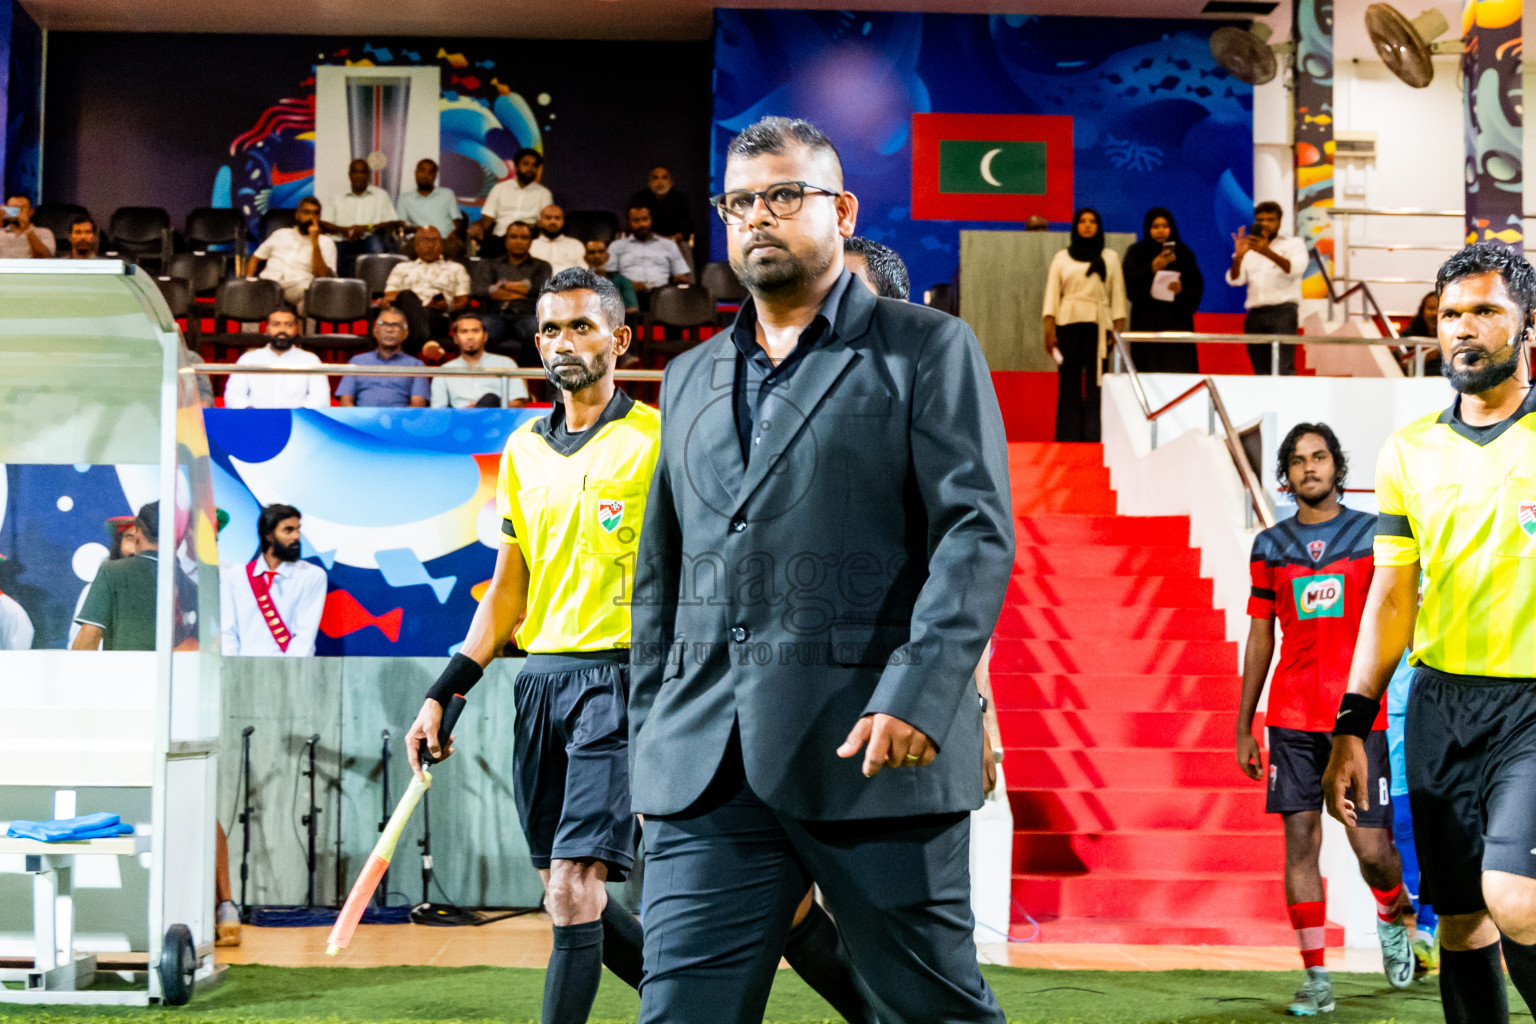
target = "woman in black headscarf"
x: 1084, y: 297
x: 1173, y: 307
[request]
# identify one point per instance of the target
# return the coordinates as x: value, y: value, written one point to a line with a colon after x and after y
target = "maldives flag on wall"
x: 1004, y: 167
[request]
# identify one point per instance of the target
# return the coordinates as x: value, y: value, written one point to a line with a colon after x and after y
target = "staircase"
x: 1116, y: 693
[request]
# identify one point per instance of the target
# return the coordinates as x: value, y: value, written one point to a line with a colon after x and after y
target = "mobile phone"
x: 1170, y: 245
x: 10, y: 211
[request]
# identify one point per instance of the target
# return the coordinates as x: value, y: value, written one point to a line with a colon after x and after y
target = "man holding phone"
x: 1272, y: 268
x: 20, y: 239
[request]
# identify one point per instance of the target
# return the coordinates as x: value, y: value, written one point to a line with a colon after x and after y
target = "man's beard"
x: 782, y: 274
x: 1485, y: 375
x: 1317, y: 501
x: 280, y: 342
x: 551, y: 235
x: 588, y: 376
x: 285, y: 552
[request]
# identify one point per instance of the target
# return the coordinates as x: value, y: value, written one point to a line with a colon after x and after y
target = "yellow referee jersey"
x: 1461, y: 502
x: 574, y: 503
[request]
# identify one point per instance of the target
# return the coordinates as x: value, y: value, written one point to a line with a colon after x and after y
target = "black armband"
x: 1357, y: 713
x: 459, y: 678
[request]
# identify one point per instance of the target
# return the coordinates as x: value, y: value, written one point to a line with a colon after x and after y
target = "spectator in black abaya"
x: 1158, y: 250
x: 1084, y: 299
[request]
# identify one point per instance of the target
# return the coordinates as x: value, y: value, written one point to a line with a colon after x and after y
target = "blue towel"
x: 59, y: 830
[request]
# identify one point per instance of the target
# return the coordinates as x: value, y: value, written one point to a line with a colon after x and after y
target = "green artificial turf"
x: 505, y: 995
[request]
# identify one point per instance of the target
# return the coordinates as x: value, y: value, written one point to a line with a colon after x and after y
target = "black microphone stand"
x: 245, y: 818
x: 311, y: 820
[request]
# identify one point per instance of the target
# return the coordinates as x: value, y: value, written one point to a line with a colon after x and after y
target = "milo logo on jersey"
x: 610, y: 514
x: 1526, y: 513
x: 1319, y: 597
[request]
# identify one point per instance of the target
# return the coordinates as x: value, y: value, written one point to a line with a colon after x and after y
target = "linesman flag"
x: 997, y: 167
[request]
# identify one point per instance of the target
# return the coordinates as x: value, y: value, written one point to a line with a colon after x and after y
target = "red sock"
x: 1308, y: 919
x: 1386, y: 902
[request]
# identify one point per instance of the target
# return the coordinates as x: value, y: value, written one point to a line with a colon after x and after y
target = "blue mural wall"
x: 21, y: 86
x: 1155, y: 121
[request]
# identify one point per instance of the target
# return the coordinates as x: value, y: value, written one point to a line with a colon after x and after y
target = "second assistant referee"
x: 1457, y: 498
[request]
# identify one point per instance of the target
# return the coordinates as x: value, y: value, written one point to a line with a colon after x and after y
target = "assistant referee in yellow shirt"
x: 572, y: 496
x: 1457, y: 497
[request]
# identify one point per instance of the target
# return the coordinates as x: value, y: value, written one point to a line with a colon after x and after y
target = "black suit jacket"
x: 856, y: 565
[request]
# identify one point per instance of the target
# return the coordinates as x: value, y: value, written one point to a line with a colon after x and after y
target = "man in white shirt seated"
x: 428, y: 290
x: 272, y: 604
x: 646, y: 258
x: 559, y: 250
x: 278, y: 390
x: 470, y: 336
x: 1272, y: 267
x: 519, y: 198
x: 20, y: 239
x: 361, y: 217
x: 295, y: 256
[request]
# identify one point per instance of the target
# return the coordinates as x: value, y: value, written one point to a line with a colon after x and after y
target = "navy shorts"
x: 1297, y: 760
x: 571, y: 759
x: 1470, y: 747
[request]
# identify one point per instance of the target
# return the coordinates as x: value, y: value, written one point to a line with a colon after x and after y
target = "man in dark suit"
x: 826, y: 545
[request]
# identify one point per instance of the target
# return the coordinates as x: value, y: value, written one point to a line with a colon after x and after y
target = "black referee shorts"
x: 1469, y: 743
x: 571, y: 759
x: 1297, y: 760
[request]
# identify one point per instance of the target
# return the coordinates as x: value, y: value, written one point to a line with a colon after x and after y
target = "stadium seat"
x: 275, y: 218
x: 216, y: 229
x: 373, y: 269
x: 721, y: 282
x: 141, y: 234
x: 683, y: 308
x: 336, y: 301
x: 202, y: 270
x: 589, y: 224
x: 941, y: 296
x: 241, y: 300
x: 177, y: 293
x: 56, y: 217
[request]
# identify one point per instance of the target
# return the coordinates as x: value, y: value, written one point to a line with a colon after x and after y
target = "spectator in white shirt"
x: 519, y: 198
x: 559, y: 250
x: 360, y: 217
x: 647, y: 259
x: 278, y: 390
x: 1084, y: 298
x: 272, y: 605
x: 470, y: 336
x: 428, y: 290
x: 20, y: 239
x: 1272, y: 267
x: 296, y: 256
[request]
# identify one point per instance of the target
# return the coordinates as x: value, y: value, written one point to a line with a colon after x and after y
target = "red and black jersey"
x: 1314, y: 578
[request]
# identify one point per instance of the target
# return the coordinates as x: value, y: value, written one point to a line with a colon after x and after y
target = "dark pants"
x: 721, y: 886
x: 1281, y: 319
x: 513, y: 334
x: 426, y: 324
x: 1077, y: 383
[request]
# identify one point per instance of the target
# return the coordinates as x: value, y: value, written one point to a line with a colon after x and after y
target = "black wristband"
x: 459, y: 678
x: 1357, y: 714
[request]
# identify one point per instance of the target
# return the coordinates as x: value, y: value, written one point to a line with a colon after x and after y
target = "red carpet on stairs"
x: 1116, y: 694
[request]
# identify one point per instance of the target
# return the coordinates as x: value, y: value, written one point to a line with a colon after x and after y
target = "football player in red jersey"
x: 1312, y: 572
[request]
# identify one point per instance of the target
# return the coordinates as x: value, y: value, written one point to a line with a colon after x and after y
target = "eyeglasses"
x: 390, y: 325
x: 783, y: 199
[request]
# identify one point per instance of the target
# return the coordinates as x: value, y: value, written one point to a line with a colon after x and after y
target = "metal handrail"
x: 1250, y: 480
x: 349, y: 370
